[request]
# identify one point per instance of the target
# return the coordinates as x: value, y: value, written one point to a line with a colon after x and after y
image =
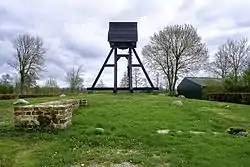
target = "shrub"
x: 7, y: 96
x: 14, y: 96
x: 6, y: 89
x: 155, y: 93
x: 242, y: 98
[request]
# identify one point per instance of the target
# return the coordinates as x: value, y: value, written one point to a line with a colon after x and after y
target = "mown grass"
x: 130, y: 123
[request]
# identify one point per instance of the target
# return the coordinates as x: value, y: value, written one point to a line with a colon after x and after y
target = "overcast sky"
x: 75, y: 31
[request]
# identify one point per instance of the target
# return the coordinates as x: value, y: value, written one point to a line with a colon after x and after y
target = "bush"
x: 14, y: 96
x: 241, y: 98
x: 237, y: 84
x: 6, y: 89
x: 146, y: 91
x: 155, y: 93
x: 7, y: 96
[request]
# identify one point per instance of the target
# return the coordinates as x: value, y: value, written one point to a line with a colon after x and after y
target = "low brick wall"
x: 49, y: 115
x: 83, y: 103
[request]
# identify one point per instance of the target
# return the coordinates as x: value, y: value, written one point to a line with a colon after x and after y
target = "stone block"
x: 48, y: 115
x: 83, y: 102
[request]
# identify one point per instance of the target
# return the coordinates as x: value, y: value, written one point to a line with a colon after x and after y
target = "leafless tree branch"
x: 175, y: 50
x: 232, y: 58
x: 74, y: 79
x: 29, y: 57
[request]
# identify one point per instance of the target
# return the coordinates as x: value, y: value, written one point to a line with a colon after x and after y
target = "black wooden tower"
x: 122, y: 35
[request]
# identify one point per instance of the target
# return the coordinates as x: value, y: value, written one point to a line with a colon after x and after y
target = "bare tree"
x: 51, y: 86
x: 144, y: 82
x: 159, y: 79
x: 176, y: 50
x: 30, y: 80
x: 124, y: 80
x: 238, y: 51
x: 157, y: 76
x: 231, y: 58
x: 51, y: 83
x: 29, y: 57
x: 220, y: 66
x: 101, y: 84
x: 156, y: 79
x: 164, y: 83
x: 6, y: 79
x: 74, y: 79
x: 137, y: 80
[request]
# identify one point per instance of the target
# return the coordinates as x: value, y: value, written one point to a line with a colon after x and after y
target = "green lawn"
x: 130, y: 123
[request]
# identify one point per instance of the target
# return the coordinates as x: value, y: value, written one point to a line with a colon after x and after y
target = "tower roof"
x: 123, y: 34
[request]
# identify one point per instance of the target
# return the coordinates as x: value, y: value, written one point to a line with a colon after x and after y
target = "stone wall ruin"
x: 49, y: 115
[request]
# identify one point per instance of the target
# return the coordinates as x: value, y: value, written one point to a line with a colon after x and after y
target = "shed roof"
x: 205, y: 81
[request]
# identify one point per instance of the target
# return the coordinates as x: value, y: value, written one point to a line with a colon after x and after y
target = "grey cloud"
x: 136, y: 11
x: 206, y: 17
x: 53, y: 71
x: 243, y: 23
x: 62, y: 61
x: 58, y: 22
x: 84, y: 51
x: 212, y: 13
x: 186, y: 4
x: 6, y: 52
x: 3, y: 58
x: 222, y: 38
x: 64, y: 51
x: 215, y: 42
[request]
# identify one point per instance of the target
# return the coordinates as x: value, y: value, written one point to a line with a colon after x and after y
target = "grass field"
x: 130, y: 123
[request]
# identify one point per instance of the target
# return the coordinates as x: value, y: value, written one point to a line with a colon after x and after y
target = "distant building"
x: 193, y: 87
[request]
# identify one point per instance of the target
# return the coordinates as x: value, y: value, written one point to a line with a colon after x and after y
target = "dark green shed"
x: 192, y: 87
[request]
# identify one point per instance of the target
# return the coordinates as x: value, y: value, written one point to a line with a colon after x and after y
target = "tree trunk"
x: 172, y: 93
x: 236, y: 76
x: 175, y: 76
x: 21, y: 84
x: 170, y: 86
x: 175, y: 79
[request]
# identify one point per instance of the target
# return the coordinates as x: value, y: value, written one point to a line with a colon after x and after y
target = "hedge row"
x: 241, y: 98
x: 14, y: 96
x: 6, y: 89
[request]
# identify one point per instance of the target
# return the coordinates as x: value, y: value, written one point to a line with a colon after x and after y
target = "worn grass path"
x: 130, y: 123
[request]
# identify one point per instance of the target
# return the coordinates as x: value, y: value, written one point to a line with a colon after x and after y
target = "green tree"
x: 246, y: 77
